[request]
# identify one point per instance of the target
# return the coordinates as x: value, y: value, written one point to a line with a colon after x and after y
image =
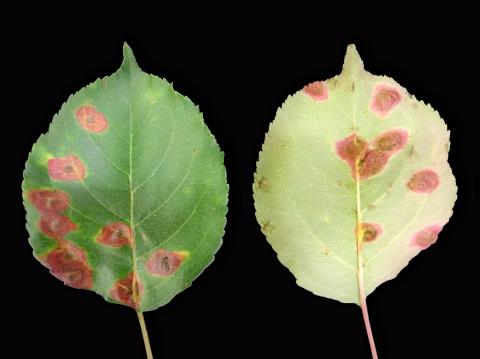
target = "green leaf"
x: 353, y: 182
x: 126, y: 194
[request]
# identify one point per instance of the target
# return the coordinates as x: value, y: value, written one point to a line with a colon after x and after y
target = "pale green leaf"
x: 309, y: 201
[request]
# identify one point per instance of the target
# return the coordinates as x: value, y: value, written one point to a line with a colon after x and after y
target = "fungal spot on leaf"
x: 372, y: 163
x: 385, y: 98
x: 391, y: 141
x: 317, y: 90
x: 424, y: 181
x: 352, y: 149
x: 55, y: 225
x: 69, y: 264
x: 368, y: 232
x: 115, y: 234
x: 426, y: 236
x: 91, y: 119
x: 49, y: 200
x: 127, y: 291
x: 68, y: 168
x: 163, y: 262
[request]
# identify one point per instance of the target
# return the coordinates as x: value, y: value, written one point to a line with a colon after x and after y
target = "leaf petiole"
x: 146, y: 340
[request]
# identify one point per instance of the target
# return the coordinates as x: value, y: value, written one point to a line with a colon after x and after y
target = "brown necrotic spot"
x: 424, y: 181
x: 49, y: 200
x: 68, y: 168
x: 163, y: 262
x: 368, y: 232
x: 391, y: 141
x: 91, y: 119
x: 385, y: 98
x: 69, y: 264
x: 115, y: 234
x: 317, y: 90
x: 127, y: 291
x: 426, y: 236
x: 55, y: 225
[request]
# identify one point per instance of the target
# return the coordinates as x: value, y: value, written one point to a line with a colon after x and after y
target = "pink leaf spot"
x: 115, y: 234
x: 317, y: 90
x: 385, y: 98
x: 54, y: 201
x: 91, y: 119
x: 426, y: 236
x: 68, y: 263
x: 127, y: 291
x: 351, y: 149
x: 424, y: 181
x: 372, y: 163
x: 55, y: 225
x: 391, y: 141
x: 68, y: 168
x: 163, y: 262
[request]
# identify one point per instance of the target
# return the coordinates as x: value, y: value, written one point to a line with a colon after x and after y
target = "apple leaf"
x: 353, y: 182
x: 126, y: 194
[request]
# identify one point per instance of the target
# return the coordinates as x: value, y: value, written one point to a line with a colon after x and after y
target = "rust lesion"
x: 127, y: 291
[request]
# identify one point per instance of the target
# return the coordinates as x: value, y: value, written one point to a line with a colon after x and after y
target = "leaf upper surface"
x: 126, y: 193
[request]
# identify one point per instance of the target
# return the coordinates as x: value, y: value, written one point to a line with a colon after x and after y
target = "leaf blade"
x: 310, y: 218
x: 136, y: 140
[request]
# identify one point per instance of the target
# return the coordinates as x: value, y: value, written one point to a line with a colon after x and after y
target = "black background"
x: 239, y: 67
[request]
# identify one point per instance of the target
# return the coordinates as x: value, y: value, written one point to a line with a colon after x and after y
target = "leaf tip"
x: 353, y: 62
x: 129, y: 61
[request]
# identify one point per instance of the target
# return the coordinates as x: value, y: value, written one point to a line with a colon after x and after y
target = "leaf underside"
x: 126, y: 194
x: 353, y: 173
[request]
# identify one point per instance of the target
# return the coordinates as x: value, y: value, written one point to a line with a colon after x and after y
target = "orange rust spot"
x: 115, y: 234
x: 91, y: 119
x: 127, y: 290
x: 163, y: 262
x: 68, y: 168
